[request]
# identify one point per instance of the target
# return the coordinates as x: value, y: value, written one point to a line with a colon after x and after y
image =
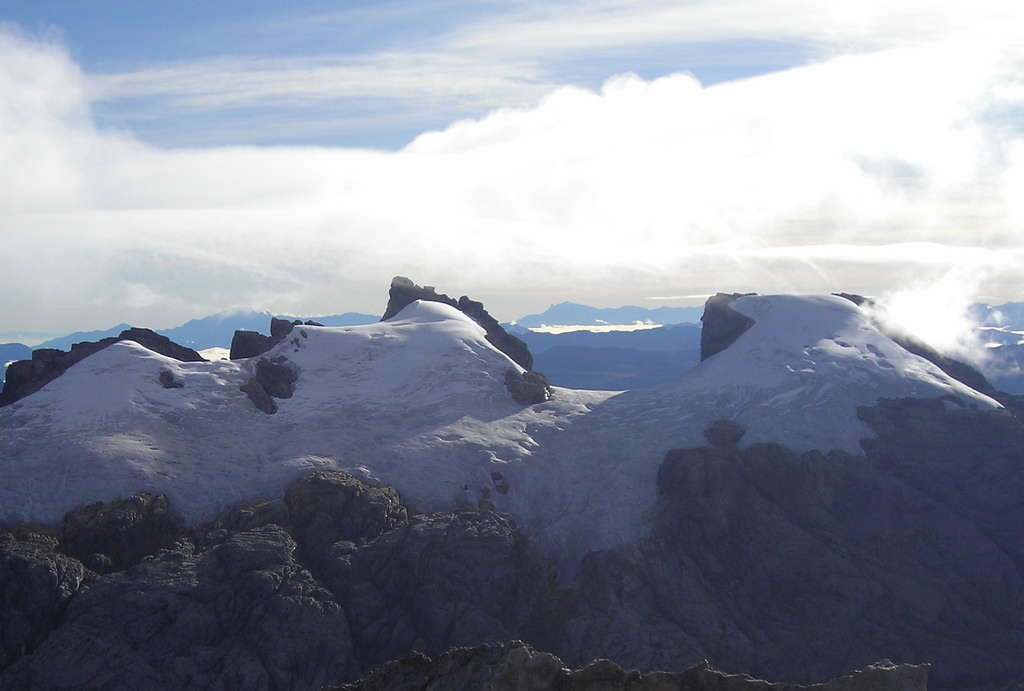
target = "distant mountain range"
x: 584, y: 359
x: 571, y: 313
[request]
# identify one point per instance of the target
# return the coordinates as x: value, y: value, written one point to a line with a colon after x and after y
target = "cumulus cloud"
x: 859, y: 173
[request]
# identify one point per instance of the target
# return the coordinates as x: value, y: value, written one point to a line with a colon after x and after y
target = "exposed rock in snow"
x: 722, y: 325
x: 404, y: 292
x: 25, y: 377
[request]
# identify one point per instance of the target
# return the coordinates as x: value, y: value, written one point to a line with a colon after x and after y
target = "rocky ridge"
x: 784, y: 565
x: 338, y: 580
x: 25, y: 377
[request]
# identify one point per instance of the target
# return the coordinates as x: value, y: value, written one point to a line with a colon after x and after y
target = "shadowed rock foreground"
x: 796, y: 567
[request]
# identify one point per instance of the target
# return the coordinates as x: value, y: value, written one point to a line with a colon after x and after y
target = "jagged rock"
x: 527, y: 387
x: 515, y: 666
x: 243, y: 614
x: 28, y: 376
x: 113, y: 536
x: 404, y: 292
x: 259, y: 396
x: 280, y: 328
x: 276, y: 378
x: 859, y: 557
x: 247, y: 344
x: 159, y: 344
x: 36, y: 584
x: 326, y: 507
x: 244, y: 516
x: 441, y: 580
x: 722, y: 324
x: 511, y: 345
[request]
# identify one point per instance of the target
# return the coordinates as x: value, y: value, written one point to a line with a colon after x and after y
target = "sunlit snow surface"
x: 419, y: 403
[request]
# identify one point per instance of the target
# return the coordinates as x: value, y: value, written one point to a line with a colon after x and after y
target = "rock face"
x: 784, y: 565
x: 25, y: 377
x: 722, y: 325
x: 527, y: 387
x: 515, y: 666
x: 404, y: 292
x: 247, y: 344
x: 797, y: 566
x: 112, y: 537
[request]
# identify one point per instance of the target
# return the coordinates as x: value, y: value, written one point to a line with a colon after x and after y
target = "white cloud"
x: 852, y: 174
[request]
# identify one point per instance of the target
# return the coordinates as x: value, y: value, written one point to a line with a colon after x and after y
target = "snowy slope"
x: 419, y: 403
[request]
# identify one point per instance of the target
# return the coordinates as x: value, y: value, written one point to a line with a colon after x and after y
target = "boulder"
x: 276, y: 377
x: 527, y: 387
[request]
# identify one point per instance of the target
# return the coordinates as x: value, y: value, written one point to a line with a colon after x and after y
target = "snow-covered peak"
x: 418, y: 402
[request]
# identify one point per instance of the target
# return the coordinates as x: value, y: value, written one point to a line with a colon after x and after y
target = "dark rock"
x: 404, y: 292
x: 441, y: 580
x: 527, y: 387
x: 243, y: 614
x: 259, y: 396
x: 159, y: 344
x: 722, y: 324
x: 724, y: 434
x: 515, y: 666
x: 327, y: 507
x: 511, y: 345
x: 800, y: 566
x: 114, y: 536
x: 168, y: 381
x: 276, y: 378
x: 246, y: 344
x: 36, y: 584
x: 28, y: 376
x: 280, y: 328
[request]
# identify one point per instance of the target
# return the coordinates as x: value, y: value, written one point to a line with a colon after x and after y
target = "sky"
x: 163, y: 161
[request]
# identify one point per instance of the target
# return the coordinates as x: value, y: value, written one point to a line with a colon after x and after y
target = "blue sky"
x: 162, y: 161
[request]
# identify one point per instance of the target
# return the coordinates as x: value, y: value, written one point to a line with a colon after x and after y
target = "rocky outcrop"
x: 784, y: 565
x: 36, y: 584
x: 274, y: 379
x: 798, y: 566
x: 25, y: 377
x: 404, y: 292
x: 240, y: 603
x: 515, y: 666
x: 247, y: 344
x: 242, y: 614
x: 722, y: 325
x: 527, y: 387
x: 116, y: 535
